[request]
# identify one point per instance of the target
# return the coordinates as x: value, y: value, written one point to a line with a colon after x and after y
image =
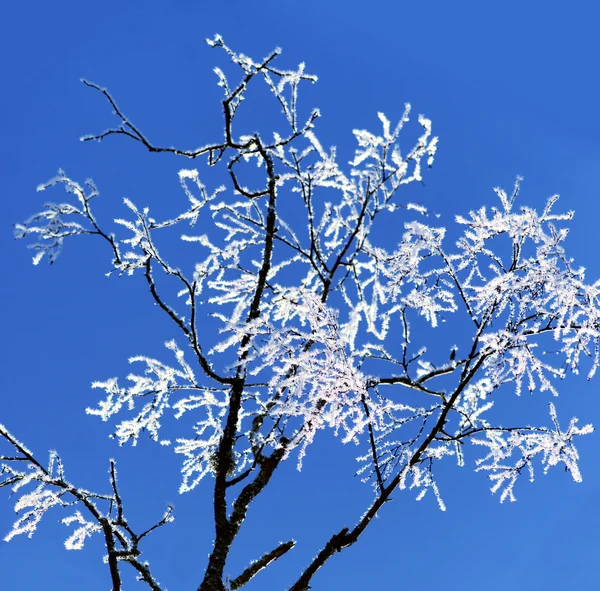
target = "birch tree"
x: 316, y: 328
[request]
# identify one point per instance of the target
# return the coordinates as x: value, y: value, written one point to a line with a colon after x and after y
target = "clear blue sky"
x: 512, y: 88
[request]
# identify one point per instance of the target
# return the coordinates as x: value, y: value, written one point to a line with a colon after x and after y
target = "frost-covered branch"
x: 59, y: 221
x: 51, y: 489
x: 322, y: 323
x: 261, y: 563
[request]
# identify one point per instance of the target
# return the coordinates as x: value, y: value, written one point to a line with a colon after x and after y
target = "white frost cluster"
x: 552, y: 445
x: 34, y: 505
x: 59, y: 221
x: 84, y: 530
x: 157, y: 384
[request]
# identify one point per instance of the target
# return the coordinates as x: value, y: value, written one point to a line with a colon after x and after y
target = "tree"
x: 320, y: 327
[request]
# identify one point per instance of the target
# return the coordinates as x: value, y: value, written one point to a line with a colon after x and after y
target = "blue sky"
x: 511, y: 87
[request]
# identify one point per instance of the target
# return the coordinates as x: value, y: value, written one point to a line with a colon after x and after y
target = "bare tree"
x: 317, y: 323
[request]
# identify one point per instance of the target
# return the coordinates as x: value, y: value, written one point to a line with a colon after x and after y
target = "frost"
x: 33, y: 506
x: 158, y: 381
x: 295, y: 314
x: 86, y: 528
x: 552, y: 446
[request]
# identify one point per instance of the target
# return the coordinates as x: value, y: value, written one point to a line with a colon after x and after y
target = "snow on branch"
x: 302, y: 316
x: 39, y: 489
x: 158, y: 382
x: 59, y: 221
x: 553, y: 446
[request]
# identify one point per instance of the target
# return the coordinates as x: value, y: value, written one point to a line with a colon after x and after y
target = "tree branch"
x: 261, y: 563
